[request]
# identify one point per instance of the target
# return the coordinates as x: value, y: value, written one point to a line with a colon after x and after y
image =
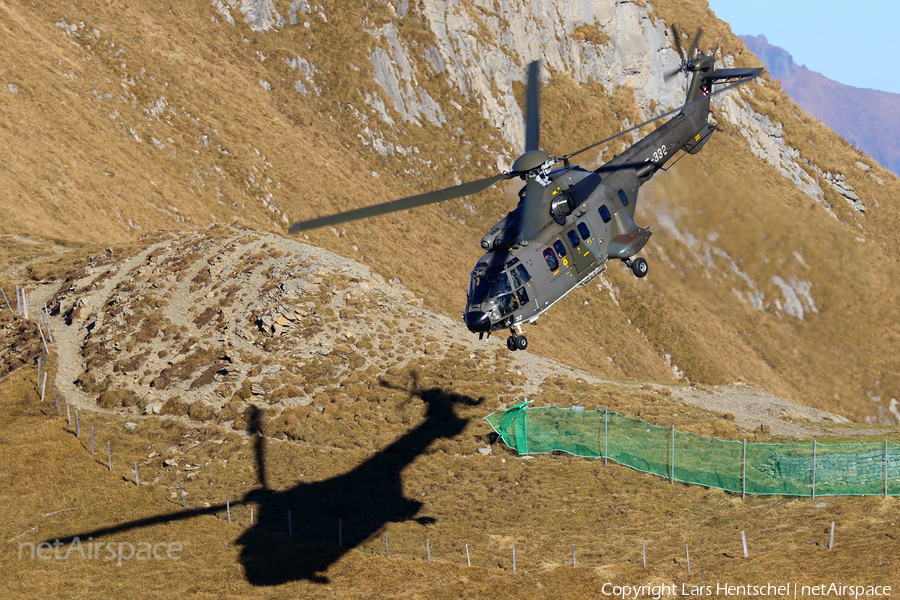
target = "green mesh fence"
x: 781, y: 469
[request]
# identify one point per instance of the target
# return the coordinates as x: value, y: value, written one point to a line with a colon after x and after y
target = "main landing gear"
x: 638, y: 266
x: 516, y: 341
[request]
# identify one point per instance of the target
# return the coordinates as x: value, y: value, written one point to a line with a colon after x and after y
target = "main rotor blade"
x: 458, y: 191
x: 675, y: 37
x: 751, y: 74
x: 533, y: 107
x: 530, y: 218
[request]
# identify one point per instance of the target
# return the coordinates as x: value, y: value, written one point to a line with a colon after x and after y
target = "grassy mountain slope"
x: 160, y: 119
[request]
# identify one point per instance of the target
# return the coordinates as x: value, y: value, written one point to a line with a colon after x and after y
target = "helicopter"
x: 570, y: 221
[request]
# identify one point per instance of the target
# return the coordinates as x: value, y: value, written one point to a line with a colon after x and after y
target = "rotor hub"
x: 529, y: 161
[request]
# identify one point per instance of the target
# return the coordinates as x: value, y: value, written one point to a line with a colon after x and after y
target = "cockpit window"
x: 519, y: 276
x: 573, y: 238
x: 550, y: 258
x: 560, y: 248
x: 488, y: 285
x: 499, y: 285
x: 623, y: 197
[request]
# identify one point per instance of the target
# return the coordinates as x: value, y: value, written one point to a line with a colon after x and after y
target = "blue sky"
x: 856, y: 43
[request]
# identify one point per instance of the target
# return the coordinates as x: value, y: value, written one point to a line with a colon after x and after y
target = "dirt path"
x: 750, y: 406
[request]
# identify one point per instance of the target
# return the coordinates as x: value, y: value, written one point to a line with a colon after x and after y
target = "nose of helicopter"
x: 477, y: 321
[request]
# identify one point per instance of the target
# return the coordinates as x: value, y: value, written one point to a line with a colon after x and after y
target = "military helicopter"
x: 570, y: 221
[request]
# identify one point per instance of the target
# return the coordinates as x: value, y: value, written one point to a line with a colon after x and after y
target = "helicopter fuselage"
x: 589, y: 220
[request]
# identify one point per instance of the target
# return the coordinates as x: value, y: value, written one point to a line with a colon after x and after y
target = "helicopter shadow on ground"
x: 276, y: 550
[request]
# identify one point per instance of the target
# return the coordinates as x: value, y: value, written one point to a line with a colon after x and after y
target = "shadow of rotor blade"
x: 533, y: 107
x: 458, y: 191
x: 155, y: 520
x: 255, y: 429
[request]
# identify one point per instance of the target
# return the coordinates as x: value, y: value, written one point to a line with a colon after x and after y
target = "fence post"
x: 744, y: 472
x: 744, y: 541
x: 387, y: 548
x: 77, y: 428
x: 56, y: 397
x: 6, y: 300
x: 831, y: 539
x: 514, y: 559
x: 672, y: 457
x: 109, y: 451
x: 428, y: 547
x: 184, y: 504
x: 885, y: 469
x: 468, y: 559
x: 47, y: 323
x: 44, y: 386
x: 645, y: 555
x: 573, y: 555
x: 228, y: 509
x: 18, y: 302
x: 68, y: 413
x: 814, y: 471
x: 606, y: 437
x: 687, y: 553
x: 137, y: 476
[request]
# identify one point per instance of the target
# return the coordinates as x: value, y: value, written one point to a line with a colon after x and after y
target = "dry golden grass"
x: 541, y: 506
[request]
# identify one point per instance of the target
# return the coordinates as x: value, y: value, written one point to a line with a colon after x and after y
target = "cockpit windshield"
x: 488, y: 285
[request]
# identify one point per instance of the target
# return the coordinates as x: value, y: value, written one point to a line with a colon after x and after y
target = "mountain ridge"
x: 865, y: 117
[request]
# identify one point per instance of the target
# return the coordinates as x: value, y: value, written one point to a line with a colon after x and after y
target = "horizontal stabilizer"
x: 728, y: 74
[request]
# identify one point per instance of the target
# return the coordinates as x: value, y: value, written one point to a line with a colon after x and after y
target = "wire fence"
x: 756, y: 468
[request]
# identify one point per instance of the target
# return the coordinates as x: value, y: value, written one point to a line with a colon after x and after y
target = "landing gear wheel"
x: 521, y: 342
x: 639, y: 267
x: 511, y: 344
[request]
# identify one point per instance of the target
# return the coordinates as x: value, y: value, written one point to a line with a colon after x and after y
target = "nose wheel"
x: 516, y: 341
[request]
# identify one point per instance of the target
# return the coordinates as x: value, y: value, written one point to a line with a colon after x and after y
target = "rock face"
x: 481, y: 50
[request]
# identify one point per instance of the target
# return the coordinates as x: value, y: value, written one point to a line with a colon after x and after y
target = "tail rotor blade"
x: 533, y: 107
x: 694, y: 43
x: 676, y: 37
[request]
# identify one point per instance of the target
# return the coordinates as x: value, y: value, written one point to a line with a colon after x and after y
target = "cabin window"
x: 573, y: 238
x: 623, y: 197
x: 560, y: 248
x: 584, y: 232
x: 550, y: 258
x: 604, y: 214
